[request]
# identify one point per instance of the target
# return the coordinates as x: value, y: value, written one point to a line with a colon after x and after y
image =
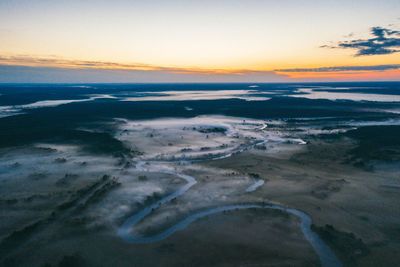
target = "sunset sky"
x: 199, y: 41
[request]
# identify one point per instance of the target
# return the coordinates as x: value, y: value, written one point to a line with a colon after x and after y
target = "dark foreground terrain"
x: 80, y: 162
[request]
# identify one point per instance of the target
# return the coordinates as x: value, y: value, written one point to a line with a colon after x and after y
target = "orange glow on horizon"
x: 56, y: 62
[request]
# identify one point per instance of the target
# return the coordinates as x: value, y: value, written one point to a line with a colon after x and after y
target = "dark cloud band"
x: 344, y: 68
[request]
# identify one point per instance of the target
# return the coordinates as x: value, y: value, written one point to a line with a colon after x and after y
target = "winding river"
x: 325, y: 254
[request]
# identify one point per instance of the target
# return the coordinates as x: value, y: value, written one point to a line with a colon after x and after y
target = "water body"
x: 198, y: 95
x: 254, y: 186
x: 312, y: 94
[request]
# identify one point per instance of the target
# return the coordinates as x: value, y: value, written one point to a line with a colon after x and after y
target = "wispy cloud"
x: 31, y: 61
x: 383, y: 41
x: 27, y: 60
x: 40, y: 74
x: 344, y: 68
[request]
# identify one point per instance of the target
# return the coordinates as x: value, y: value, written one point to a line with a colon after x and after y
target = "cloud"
x: 384, y: 41
x: 55, y: 62
x: 350, y: 35
x: 26, y: 68
x: 344, y: 68
x: 37, y: 74
x: 27, y: 60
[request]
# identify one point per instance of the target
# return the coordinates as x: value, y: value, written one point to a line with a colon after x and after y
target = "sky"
x: 199, y: 41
